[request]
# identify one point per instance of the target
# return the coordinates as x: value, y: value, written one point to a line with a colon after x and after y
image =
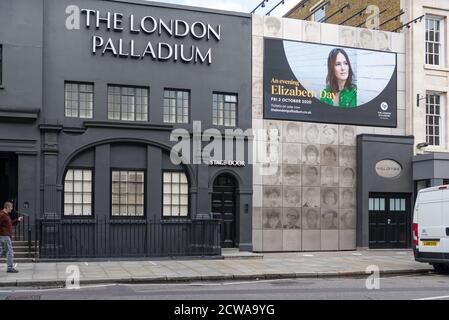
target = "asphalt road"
x: 429, y: 286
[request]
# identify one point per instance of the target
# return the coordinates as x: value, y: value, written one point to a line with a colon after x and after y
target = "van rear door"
x: 445, y: 222
x: 430, y: 221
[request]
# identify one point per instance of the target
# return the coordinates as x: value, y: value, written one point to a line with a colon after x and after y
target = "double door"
x: 389, y: 221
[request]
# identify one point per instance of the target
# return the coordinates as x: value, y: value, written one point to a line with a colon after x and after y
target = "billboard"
x: 330, y: 84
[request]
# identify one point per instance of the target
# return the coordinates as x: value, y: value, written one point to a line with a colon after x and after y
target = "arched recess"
x: 234, y: 174
x: 126, y: 155
x: 165, y: 148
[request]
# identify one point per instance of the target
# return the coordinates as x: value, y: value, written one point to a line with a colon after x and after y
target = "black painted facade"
x: 41, y: 54
x: 378, y: 227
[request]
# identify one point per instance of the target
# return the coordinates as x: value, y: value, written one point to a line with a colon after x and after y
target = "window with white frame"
x: 176, y: 106
x: 79, y: 100
x: 224, y: 109
x: 175, y: 194
x: 434, y: 41
x: 78, y: 192
x: 319, y: 13
x: 434, y: 119
x: 128, y: 193
x: 127, y: 103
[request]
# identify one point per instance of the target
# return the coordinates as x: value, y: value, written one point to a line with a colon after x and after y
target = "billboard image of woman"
x: 340, y: 90
x: 316, y: 82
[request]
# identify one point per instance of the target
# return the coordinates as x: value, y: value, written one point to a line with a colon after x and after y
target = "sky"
x: 239, y: 5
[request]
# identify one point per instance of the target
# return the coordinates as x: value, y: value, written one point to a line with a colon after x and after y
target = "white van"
x: 431, y: 227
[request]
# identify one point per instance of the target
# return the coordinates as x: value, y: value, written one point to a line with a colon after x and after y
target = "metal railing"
x: 107, y: 238
x: 22, y: 231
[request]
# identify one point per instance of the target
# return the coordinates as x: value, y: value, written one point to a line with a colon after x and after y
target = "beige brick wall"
x: 392, y: 7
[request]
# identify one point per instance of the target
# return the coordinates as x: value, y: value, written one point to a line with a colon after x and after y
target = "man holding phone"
x: 6, y: 224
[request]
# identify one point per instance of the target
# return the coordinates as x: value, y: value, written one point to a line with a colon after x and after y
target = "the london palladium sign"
x: 152, y: 30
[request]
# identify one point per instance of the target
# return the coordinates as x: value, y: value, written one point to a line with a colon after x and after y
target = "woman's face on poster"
x: 311, y: 156
x: 312, y: 134
x: 347, y: 197
x: 329, y: 135
x: 341, y: 68
x: 348, y: 176
x: 291, y: 196
x: 330, y: 198
x: 312, y: 198
x: 292, y: 218
x: 311, y: 175
x: 312, y: 219
x: 273, y: 219
x: 330, y: 155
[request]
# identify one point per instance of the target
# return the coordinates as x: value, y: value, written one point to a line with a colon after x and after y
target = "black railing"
x: 23, y: 232
x: 108, y: 238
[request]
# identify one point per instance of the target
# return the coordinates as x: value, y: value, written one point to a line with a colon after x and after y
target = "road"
x: 428, y: 286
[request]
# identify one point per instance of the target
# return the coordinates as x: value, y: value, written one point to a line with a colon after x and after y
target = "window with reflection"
x: 79, y: 100
x: 78, y: 192
x: 176, y: 106
x: 175, y: 194
x: 224, y: 109
x: 128, y: 193
x: 128, y: 103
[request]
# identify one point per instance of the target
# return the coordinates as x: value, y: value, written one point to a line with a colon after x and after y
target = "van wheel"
x: 441, y: 268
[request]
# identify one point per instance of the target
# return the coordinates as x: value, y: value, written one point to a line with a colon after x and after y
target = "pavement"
x: 232, y: 266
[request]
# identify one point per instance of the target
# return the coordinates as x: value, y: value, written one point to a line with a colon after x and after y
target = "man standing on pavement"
x: 6, y: 224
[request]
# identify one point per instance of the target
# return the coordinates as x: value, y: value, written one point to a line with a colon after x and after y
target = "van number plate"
x: 430, y: 243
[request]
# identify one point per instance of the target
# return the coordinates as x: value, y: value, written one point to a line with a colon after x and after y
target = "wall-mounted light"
x: 422, y: 145
x: 261, y: 4
x: 418, y: 99
x: 277, y: 5
x: 408, y: 24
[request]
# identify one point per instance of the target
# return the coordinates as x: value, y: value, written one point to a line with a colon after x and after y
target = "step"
x: 235, y: 254
x: 23, y: 249
x: 19, y: 260
x: 22, y: 255
x: 229, y: 250
x: 22, y: 243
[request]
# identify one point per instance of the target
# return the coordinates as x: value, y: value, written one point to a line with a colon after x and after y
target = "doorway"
x: 389, y: 221
x: 8, y: 178
x: 224, y: 204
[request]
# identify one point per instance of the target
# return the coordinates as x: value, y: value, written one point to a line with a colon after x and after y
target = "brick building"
x: 355, y: 13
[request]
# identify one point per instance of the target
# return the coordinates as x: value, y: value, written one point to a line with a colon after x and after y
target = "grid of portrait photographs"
x: 308, y: 188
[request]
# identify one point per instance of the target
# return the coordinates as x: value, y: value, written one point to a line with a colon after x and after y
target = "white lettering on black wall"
x: 177, y: 29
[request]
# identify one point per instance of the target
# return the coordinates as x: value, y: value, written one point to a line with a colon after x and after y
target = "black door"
x: 8, y: 178
x: 389, y: 221
x: 224, y: 208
